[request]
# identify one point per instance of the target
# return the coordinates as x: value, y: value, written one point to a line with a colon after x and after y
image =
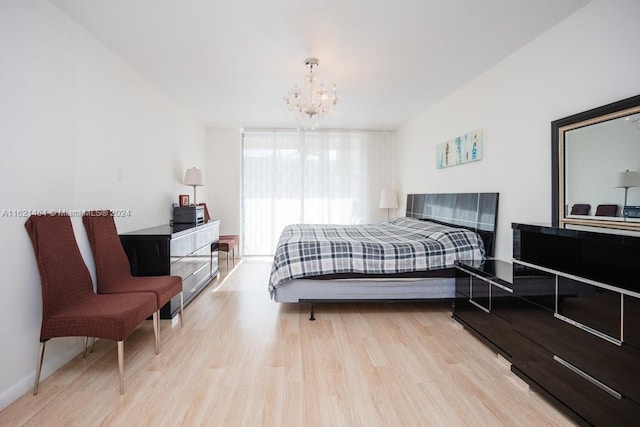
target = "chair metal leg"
x: 181, y: 308
x: 39, y: 368
x: 84, y: 348
x: 156, y: 330
x: 121, y: 364
x: 93, y: 343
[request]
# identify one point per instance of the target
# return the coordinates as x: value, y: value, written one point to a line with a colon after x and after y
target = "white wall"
x: 587, y: 60
x: 79, y: 130
x: 594, y: 156
x: 224, y: 178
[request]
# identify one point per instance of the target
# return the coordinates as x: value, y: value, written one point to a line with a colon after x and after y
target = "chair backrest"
x: 64, y: 276
x: 607, y: 210
x: 580, y: 209
x: 112, y: 264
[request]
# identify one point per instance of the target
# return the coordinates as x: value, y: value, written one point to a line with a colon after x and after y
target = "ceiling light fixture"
x: 635, y: 119
x: 311, y: 102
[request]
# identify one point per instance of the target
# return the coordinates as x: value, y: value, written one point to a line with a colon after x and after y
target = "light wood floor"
x: 244, y: 360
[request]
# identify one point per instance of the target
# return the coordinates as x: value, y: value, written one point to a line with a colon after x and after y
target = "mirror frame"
x: 558, y: 128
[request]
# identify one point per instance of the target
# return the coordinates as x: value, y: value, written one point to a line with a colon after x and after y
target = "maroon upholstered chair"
x: 607, y: 210
x: 69, y: 305
x: 113, y: 271
x: 580, y: 209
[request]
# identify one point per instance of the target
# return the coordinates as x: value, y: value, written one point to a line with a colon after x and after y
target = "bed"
x: 408, y: 258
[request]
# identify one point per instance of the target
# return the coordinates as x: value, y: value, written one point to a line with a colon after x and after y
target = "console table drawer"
x: 197, y: 280
x: 596, y: 402
x: 186, y: 265
x: 190, y: 242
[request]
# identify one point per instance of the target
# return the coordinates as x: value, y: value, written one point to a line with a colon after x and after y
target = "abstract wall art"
x: 462, y: 149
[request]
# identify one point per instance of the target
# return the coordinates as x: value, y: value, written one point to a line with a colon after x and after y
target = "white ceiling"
x: 230, y: 63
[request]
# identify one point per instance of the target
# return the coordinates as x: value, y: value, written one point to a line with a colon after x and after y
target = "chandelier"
x: 312, y: 102
x: 635, y: 119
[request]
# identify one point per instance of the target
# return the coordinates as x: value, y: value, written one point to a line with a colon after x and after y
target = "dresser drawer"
x: 585, y: 396
x: 594, y: 307
x: 618, y: 366
x: 535, y: 285
x: 480, y: 304
x: 494, y: 329
x: 631, y: 321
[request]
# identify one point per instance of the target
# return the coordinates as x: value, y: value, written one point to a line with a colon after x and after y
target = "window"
x: 311, y: 177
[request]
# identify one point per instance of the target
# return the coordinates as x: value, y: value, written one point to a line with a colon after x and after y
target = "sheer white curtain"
x: 327, y: 177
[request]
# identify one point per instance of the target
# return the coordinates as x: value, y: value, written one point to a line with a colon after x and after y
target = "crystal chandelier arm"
x: 311, y: 103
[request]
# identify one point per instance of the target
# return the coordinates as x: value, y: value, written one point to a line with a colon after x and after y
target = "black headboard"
x: 475, y: 211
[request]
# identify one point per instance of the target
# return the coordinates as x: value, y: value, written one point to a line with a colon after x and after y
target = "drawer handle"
x: 200, y: 269
x: 484, y: 279
x: 479, y: 306
x: 197, y: 288
x: 588, y: 329
x: 587, y: 377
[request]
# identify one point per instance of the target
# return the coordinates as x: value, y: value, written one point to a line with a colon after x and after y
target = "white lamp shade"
x: 388, y: 199
x: 193, y: 177
x: 628, y: 179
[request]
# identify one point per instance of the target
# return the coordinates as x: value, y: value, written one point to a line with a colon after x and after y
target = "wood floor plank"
x: 244, y: 360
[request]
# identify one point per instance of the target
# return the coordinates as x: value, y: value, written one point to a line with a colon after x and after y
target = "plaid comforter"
x: 397, y: 246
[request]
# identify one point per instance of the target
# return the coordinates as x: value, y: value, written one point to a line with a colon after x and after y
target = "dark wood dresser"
x: 182, y: 250
x: 567, y: 317
x: 578, y: 310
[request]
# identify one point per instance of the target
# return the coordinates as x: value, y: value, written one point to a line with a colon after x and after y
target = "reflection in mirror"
x: 596, y: 167
x: 596, y: 160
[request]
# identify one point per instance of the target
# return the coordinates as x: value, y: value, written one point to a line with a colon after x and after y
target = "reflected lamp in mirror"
x: 388, y: 200
x: 626, y: 180
x: 194, y: 178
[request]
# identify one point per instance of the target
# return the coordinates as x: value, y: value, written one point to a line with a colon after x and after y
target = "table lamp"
x: 194, y: 178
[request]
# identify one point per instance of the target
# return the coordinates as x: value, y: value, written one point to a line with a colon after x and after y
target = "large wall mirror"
x: 596, y: 167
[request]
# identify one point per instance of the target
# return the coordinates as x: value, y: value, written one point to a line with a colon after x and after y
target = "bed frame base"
x: 313, y: 302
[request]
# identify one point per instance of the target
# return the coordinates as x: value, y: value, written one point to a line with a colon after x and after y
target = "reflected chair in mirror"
x: 113, y: 271
x: 607, y: 210
x: 70, y: 307
x: 580, y: 209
